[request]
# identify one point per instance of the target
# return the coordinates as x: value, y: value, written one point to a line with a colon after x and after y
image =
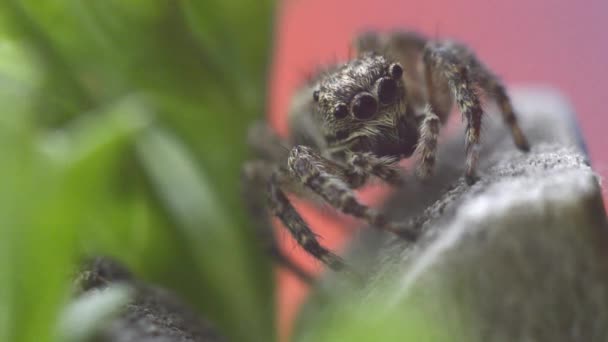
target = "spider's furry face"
x: 359, y: 103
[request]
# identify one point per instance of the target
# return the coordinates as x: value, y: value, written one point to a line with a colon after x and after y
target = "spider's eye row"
x: 315, y: 95
x: 396, y: 71
x: 364, y: 106
x: 340, y: 112
x: 387, y: 90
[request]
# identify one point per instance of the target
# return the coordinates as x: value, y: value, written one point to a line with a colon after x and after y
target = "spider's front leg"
x: 255, y: 178
x: 454, y: 64
x: 444, y: 61
x: 494, y: 88
x: 256, y: 175
x: 329, y: 181
x: 281, y: 207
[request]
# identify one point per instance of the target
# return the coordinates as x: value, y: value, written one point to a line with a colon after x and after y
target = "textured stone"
x: 153, y: 315
x: 521, y: 255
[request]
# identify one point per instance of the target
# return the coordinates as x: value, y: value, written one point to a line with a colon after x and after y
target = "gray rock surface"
x: 519, y: 256
x: 153, y: 315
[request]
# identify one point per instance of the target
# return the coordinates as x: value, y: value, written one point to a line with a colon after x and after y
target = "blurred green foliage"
x: 351, y: 322
x: 122, y: 133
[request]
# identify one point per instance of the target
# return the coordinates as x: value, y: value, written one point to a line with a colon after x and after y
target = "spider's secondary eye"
x: 364, y: 106
x: 387, y: 90
x: 395, y: 70
x: 315, y: 95
x: 340, y: 112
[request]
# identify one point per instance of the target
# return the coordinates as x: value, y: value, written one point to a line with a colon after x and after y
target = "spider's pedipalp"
x: 320, y: 176
x: 364, y: 165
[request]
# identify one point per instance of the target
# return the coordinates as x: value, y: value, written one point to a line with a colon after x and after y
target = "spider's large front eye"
x: 364, y: 106
x: 340, y: 112
x: 387, y: 90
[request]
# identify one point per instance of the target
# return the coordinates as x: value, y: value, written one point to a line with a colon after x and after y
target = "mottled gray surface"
x: 519, y: 256
x: 153, y: 314
x: 550, y: 125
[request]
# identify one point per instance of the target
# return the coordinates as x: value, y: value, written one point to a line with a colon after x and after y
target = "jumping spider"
x: 356, y: 120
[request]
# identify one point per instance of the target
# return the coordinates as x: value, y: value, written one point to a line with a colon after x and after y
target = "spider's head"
x: 359, y: 103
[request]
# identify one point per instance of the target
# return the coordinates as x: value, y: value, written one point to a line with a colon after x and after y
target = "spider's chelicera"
x: 356, y: 120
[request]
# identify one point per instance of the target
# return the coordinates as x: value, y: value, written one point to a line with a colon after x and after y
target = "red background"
x: 552, y: 42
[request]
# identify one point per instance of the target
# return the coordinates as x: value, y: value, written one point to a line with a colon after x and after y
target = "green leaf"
x: 74, y: 184
x: 51, y: 189
x: 223, y: 269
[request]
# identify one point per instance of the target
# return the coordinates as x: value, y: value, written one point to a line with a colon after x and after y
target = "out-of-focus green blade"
x: 223, y: 272
x: 345, y: 317
x: 52, y: 188
x: 70, y: 165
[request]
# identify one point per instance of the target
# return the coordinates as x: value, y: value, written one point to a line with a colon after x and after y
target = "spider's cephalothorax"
x: 356, y: 120
x: 361, y: 107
